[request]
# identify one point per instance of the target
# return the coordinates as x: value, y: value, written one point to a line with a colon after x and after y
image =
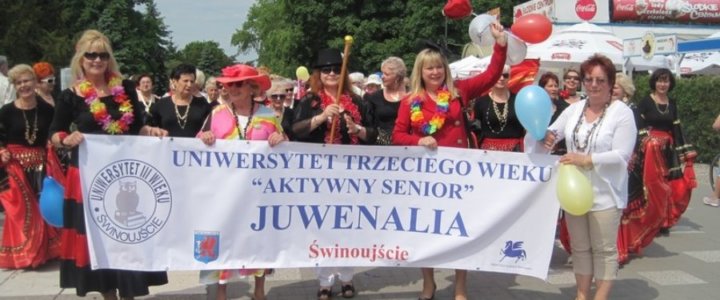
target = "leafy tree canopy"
x: 287, y: 33
x: 35, y: 30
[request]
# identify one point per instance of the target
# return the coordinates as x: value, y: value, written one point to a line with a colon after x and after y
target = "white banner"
x: 176, y: 204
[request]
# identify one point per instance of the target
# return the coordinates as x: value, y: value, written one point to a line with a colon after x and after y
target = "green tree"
x: 206, y: 56
x: 35, y: 30
x: 287, y: 34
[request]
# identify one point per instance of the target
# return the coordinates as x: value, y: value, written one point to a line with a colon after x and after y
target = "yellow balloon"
x: 302, y: 73
x: 574, y: 190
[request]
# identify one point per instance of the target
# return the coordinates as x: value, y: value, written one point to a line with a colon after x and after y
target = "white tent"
x: 469, y: 66
x: 702, y: 63
x: 638, y: 63
x: 573, y: 45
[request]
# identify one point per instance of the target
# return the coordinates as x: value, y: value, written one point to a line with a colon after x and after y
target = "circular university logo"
x: 129, y: 201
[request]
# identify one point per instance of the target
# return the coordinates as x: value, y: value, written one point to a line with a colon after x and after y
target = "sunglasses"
x: 506, y: 75
x: 49, y: 80
x: 278, y: 97
x: 576, y: 78
x: 327, y: 70
x: 236, y: 84
x: 104, y: 56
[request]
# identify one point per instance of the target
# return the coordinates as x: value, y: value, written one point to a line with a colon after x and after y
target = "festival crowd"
x: 635, y: 154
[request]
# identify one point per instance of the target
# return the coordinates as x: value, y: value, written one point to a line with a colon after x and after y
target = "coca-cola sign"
x: 575, y: 11
x: 585, y: 9
x: 701, y: 11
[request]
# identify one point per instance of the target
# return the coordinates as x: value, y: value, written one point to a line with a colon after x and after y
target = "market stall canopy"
x: 656, y: 62
x: 469, y: 66
x: 573, y: 45
x: 702, y: 63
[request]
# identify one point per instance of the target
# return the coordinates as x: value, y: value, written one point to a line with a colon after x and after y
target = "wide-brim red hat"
x: 242, y: 72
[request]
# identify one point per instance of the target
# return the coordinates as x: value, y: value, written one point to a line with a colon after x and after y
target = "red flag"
x: 523, y: 74
x: 457, y: 9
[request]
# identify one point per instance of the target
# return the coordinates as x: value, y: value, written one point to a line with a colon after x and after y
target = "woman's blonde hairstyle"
x: 429, y: 57
x: 19, y: 70
x: 89, y: 39
x: 625, y: 84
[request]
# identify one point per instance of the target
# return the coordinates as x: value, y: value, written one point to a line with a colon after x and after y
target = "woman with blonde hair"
x: 435, y: 96
x: 624, y: 89
x: 99, y: 102
x: 27, y: 241
x: 386, y: 102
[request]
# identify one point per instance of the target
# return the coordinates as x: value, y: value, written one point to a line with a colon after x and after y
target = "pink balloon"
x: 532, y: 28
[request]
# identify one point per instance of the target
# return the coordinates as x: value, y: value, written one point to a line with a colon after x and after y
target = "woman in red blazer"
x: 432, y: 115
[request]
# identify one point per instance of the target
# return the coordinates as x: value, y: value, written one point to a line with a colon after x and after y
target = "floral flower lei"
x: 437, y: 121
x: 99, y: 111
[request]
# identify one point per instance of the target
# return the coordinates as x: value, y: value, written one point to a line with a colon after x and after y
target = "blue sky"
x: 216, y: 20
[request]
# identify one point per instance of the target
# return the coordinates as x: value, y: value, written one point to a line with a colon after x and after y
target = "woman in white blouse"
x: 600, y: 135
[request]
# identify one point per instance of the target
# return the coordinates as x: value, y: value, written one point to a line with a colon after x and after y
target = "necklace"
x: 502, y: 117
x: 182, y: 119
x: 242, y: 136
x: 576, y: 141
x: 657, y: 106
x: 394, y: 97
x: 437, y: 121
x: 30, y: 138
x: 99, y: 110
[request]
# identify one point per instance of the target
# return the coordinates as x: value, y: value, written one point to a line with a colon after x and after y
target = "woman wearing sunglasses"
x: 571, y: 81
x: 314, y: 116
x: 235, y: 120
x: 27, y: 241
x: 500, y: 129
x: 46, y: 81
x: 435, y: 96
x: 98, y: 91
x: 278, y: 97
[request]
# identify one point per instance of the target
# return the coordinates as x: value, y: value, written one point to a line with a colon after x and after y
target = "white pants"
x: 326, y: 275
x: 593, y: 240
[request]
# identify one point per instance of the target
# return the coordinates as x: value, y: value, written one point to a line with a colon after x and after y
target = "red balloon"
x: 532, y: 28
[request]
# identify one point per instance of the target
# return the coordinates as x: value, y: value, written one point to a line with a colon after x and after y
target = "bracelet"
x: 62, y: 135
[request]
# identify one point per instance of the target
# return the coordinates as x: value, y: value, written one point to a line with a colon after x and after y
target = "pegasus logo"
x: 514, y: 250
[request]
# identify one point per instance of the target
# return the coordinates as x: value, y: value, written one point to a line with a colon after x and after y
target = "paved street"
x: 684, y: 265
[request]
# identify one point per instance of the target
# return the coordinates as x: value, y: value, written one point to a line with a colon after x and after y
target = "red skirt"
x: 502, y: 144
x: 75, y: 271
x: 27, y: 240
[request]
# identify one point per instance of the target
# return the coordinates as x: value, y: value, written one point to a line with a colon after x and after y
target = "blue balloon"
x: 534, y: 110
x: 52, y: 199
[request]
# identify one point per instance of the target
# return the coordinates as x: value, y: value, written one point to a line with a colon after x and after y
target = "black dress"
x: 490, y: 125
x: 12, y: 131
x: 75, y: 269
x: 310, y: 106
x: 385, y: 114
x: 162, y: 114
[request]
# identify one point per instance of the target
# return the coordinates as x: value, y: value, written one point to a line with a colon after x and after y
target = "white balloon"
x: 479, y: 30
x: 516, y: 51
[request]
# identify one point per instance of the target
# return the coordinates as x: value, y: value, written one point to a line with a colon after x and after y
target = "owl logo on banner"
x: 129, y: 201
x: 514, y: 250
x: 206, y: 246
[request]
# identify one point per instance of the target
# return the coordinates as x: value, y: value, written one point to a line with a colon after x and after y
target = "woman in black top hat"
x: 313, y: 122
